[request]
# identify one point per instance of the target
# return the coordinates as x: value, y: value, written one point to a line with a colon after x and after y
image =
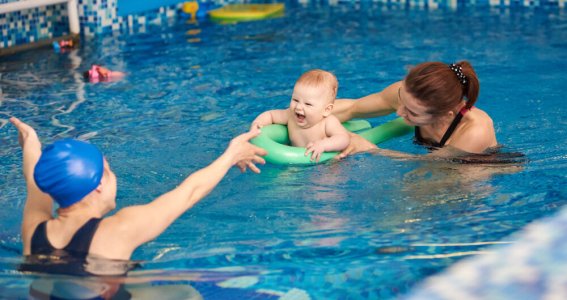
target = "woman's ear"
x: 328, y: 110
x: 450, y: 115
x: 100, y: 187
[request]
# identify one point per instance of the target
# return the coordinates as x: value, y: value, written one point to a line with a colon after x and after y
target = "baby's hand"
x: 316, y: 149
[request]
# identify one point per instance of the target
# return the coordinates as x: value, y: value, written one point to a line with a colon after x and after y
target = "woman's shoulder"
x: 476, y: 134
x: 479, y: 121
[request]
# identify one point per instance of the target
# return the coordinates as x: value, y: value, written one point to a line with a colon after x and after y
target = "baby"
x: 309, y: 120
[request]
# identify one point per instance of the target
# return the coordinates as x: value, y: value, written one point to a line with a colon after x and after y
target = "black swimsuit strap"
x: 81, y: 241
x: 447, y: 134
x: 39, y: 241
x: 451, y: 129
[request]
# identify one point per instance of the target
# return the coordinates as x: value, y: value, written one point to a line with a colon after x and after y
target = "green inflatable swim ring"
x: 275, y: 139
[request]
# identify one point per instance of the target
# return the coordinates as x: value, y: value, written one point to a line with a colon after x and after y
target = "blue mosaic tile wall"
x: 532, y: 267
x: 33, y: 24
x: 100, y: 16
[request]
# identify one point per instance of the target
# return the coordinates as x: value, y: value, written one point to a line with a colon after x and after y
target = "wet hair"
x: 438, y: 86
x: 86, y: 75
x: 320, y: 78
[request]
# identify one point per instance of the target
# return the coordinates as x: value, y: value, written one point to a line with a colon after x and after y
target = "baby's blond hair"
x: 320, y: 78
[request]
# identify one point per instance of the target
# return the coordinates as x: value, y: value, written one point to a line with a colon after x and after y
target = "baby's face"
x: 309, y: 105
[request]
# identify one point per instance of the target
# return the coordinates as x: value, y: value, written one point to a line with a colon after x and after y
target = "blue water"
x: 367, y: 227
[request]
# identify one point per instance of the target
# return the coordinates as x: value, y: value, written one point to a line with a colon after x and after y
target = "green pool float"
x: 275, y: 139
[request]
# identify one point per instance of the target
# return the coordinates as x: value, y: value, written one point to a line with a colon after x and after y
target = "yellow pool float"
x: 246, y: 12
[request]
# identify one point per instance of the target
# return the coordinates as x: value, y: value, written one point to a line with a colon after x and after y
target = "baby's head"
x: 320, y: 80
x: 313, y: 97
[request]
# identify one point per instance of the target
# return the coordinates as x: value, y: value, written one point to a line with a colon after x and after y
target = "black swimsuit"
x: 77, y: 247
x: 432, y: 144
x: 70, y: 260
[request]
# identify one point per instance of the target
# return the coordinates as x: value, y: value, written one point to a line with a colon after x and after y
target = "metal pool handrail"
x: 22, y: 5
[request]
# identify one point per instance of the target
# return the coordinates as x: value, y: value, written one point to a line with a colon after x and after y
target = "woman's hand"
x: 244, y: 154
x: 26, y: 134
x: 357, y: 144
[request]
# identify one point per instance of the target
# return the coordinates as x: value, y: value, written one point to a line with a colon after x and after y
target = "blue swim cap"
x: 68, y: 170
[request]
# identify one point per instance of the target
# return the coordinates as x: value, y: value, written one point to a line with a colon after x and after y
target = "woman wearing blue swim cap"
x: 79, y: 179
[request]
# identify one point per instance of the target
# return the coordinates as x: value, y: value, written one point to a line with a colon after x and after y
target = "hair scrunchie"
x: 458, y: 70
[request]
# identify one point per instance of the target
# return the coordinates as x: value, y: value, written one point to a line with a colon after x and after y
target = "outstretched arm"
x: 136, y: 225
x: 375, y: 105
x: 38, y: 205
x: 337, y: 139
x: 357, y: 144
x: 276, y: 116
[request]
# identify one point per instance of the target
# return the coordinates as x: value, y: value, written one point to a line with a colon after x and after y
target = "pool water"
x: 366, y: 227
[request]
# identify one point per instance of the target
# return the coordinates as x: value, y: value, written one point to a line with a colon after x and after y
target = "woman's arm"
x: 359, y: 144
x: 38, y: 205
x: 135, y: 225
x: 378, y: 104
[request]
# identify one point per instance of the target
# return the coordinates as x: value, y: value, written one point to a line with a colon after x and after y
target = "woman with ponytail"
x: 438, y: 99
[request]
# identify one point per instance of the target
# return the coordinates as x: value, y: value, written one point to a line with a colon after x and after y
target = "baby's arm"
x: 337, y: 135
x: 337, y: 139
x: 276, y: 116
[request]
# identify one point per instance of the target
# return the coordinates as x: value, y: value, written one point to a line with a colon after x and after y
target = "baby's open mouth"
x: 300, y: 117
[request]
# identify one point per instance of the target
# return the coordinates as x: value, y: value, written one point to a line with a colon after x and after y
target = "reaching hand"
x: 357, y: 144
x: 316, y: 149
x: 245, y: 154
x: 26, y: 134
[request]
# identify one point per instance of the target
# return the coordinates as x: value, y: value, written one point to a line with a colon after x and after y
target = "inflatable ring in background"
x: 275, y: 139
x: 246, y: 12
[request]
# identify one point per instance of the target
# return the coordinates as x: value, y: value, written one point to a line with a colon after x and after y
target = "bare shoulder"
x: 333, y: 123
x: 476, y: 133
x: 331, y: 120
x: 112, y: 231
x: 480, y: 122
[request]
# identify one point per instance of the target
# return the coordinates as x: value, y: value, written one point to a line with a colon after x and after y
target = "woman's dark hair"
x: 439, y: 87
x: 86, y: 74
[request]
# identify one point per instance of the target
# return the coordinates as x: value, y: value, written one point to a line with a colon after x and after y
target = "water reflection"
x: 459, y: 175
x: 97, y: 278
x: 75, y: 62
x: 70, y: 288
x: 175, y: 284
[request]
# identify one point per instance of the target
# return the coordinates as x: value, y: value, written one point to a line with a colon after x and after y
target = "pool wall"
x: 103, y: 16
x: 95, y: 17
x: 532, y: 267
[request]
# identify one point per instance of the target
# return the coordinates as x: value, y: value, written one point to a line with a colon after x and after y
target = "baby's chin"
x: 303, y: 125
